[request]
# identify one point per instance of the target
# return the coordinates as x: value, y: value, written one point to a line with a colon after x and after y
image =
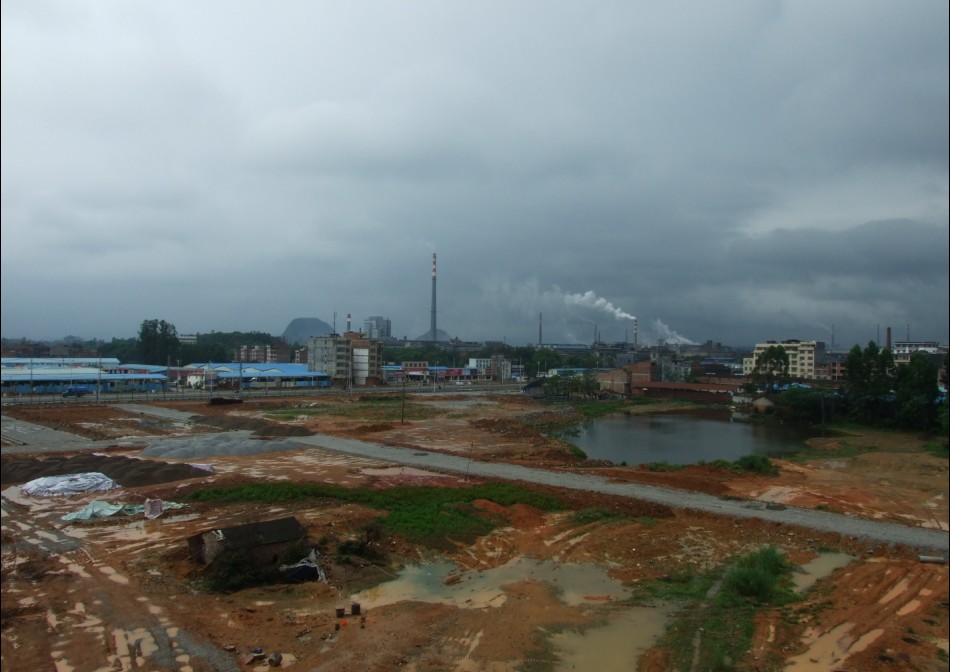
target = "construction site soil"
x: 123, y: 593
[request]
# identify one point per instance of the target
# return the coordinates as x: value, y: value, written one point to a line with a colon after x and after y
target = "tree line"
x: 874, y: 391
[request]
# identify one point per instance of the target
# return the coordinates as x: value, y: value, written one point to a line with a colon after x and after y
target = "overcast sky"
x: 727, y: 171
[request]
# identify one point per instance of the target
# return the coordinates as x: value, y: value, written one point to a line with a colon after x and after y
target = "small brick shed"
x: 264, y: 539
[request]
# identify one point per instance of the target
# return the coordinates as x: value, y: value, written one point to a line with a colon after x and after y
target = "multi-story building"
x: 804, y: 357
x: 378, y: 327
x: 274, y: 353
x: 902, y: 351
x: 347, y: 359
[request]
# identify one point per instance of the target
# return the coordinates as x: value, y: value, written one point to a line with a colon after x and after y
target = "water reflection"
x: 439, y: 581
x: 684, y: 438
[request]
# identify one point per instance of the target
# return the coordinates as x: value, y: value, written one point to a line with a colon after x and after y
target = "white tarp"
x: 70, y: 484
x: 153, y: 508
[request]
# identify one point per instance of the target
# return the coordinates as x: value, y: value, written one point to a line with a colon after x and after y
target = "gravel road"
x: 929, y: 541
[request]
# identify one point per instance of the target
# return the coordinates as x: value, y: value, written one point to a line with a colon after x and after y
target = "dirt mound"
x: 126, y: 471
x: 257, y: 426
x: 508, y: 427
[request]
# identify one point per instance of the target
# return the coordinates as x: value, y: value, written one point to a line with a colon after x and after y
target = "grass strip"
x: 437, y: 517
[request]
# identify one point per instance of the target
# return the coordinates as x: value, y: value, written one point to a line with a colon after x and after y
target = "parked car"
x: 76, y: 391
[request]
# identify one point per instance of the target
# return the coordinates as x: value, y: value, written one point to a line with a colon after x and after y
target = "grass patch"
x: 664, y: 466
x: 937, y: 449
x: 721, y: 626
x: 585, y: 516
x: 843, y: 451
x: 432, y: 516
x: 579, y: 453
x: 681, y: 586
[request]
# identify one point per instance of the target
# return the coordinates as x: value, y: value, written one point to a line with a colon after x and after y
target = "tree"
x: 158, y: 342
x: 771, y: 368
x: 916, y: 394
x: 123, y: 349
x: 868, y: 382
x: 543, y: 360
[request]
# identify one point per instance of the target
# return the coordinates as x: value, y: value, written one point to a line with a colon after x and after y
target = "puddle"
x: 614, y: 646
x: 819, y: 568
x: 576, y: 584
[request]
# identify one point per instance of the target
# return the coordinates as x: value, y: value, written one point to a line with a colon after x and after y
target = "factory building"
x: 347, y: 359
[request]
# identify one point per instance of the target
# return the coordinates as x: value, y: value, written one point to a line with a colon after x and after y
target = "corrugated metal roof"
x: 43, y: 377
x: 58, y: 361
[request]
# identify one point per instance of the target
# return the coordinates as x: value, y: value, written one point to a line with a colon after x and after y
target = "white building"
x: 803, y: 357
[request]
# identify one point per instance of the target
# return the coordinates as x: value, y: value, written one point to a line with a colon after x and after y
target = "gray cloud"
x: 729, y: 171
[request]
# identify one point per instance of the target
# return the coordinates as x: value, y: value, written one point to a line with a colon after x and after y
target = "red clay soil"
x: 129, y: 597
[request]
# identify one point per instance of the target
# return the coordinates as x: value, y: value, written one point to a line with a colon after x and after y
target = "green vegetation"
x: 684, y: 585
x: 771, y: 368
x: 758, y: 577
x: 585, y: 516
x: 844, y: 450
x: 757, y: 464
x: 937, y: 449
x: 719, y: 627
x: 664, y: 466
x: 432, y: 516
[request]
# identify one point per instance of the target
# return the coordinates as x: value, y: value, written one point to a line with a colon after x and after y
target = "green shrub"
x: 759, y: 464
x: 750, y: 583
x: 758, y: 576
x: 593, y: 515
x: 664, y: 466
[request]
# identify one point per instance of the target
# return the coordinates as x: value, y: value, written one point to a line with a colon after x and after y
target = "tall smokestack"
x: 348, y: 323
x: 540, y: 329
x: 634, y: 335
x: 434, y: 297
x: 888, y: 339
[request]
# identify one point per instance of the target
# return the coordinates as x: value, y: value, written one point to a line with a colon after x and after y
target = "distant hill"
x: 442, y: 336
x: 301, y: 329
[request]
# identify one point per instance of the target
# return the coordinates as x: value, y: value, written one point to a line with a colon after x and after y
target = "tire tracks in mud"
x: 90, y: 622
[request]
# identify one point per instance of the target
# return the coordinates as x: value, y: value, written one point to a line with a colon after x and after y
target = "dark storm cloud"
x: 730, y: 171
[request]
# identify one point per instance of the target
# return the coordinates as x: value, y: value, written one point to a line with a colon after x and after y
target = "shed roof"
x: 262, y: 532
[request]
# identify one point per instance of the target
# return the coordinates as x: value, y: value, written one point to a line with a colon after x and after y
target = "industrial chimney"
x: 434, y: 297
x: 634, y: 335
x: 540, y: 329
x: 888, y: 339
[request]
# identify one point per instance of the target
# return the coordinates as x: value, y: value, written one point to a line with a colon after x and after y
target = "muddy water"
x: 615, y: 643
x: 683, y: 438
x: 440, y: 581
x: 819, y: 568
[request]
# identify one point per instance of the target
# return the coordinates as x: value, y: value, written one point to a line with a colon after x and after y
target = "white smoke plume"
x: 668, y: 335
x: 590, y: 300
x: 561, y: 309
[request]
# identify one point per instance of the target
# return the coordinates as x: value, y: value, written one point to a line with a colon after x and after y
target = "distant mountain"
x: 301, y: 329
x: 442, y: 336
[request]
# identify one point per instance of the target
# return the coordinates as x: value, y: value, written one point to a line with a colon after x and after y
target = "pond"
x: 684, y: 438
